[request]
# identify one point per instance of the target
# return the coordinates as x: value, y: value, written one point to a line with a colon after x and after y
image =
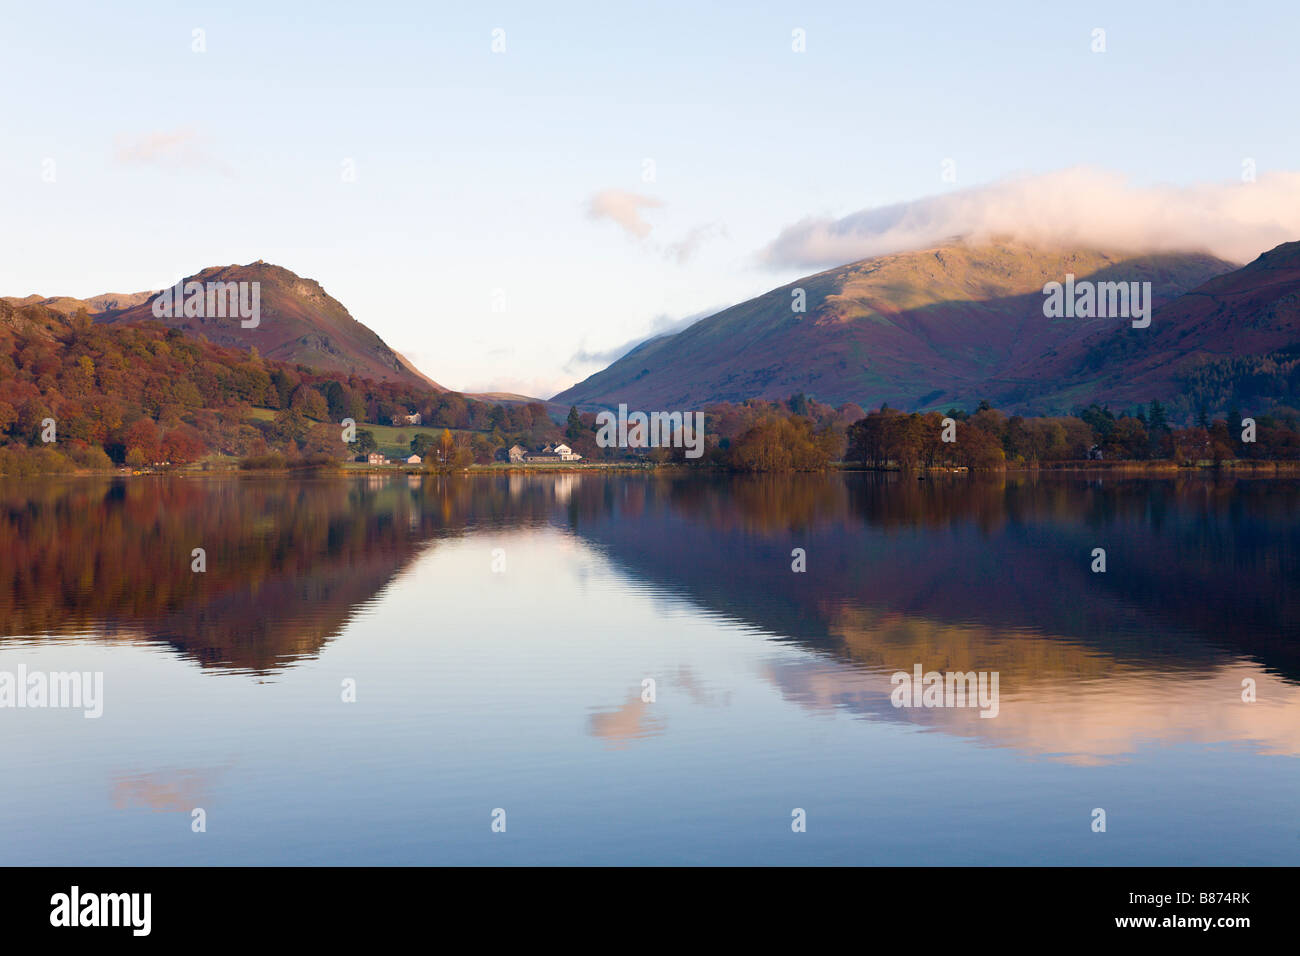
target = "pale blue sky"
x: 475, y: 170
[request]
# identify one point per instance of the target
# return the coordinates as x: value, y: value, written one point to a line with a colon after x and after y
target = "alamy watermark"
x: 1086, y: 299
x: 129, y: 910
x: 75, y: 690
x: 218, y: 300
x: 653, y: 430
x: 949, y: 689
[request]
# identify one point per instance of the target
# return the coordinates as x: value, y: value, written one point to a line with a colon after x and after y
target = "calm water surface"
x: 499, y: 630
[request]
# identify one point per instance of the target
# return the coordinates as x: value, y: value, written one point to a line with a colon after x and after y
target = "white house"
x: 550, y: 454
x: 413, y: 460
x: 374, y: 458
x: 564, y: 451
x: 517, y: 453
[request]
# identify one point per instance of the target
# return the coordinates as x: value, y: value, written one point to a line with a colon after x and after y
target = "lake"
x: 585, y: 668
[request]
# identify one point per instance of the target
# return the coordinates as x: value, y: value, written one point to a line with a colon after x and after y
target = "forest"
x: 76, y: 396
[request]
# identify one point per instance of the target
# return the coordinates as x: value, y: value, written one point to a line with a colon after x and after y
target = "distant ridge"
x: 94, y: 306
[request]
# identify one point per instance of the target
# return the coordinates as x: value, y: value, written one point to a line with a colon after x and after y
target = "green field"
x: 385, y: 435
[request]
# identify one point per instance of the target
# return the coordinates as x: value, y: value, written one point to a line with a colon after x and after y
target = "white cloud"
x: 623, y: 208
x: 684, y: 250
x: 583, y: 360
x: 177, y: 149
x: 1083, y: 207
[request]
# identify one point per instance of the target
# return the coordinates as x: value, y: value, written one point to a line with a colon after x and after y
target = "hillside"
x: 1232, y: 340
x: 139, y: 394
x: 300, y: 324
x: 943, y: 326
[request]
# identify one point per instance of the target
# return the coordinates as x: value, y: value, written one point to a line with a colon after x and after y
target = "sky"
x: 510, y: 194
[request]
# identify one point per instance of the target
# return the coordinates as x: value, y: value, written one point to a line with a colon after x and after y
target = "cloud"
x: 659, y: 325
x: 174, y: 149
x: 623, y: 208
x: 1081, y: 206
x: 681, y: 252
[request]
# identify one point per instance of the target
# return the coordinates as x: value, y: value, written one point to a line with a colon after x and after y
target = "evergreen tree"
x: 1157, y: 422
x: 573, y: 429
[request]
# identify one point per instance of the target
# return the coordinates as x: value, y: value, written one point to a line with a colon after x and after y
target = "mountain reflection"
x: 1198, y: 571
x: 288, y: 562
x: 953, y: 573
x: 966, y: 574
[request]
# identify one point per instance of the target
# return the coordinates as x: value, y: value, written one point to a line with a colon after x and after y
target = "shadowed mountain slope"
x: 930, y: 328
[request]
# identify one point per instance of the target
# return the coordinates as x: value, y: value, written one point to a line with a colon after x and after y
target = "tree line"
x: 142, y: 396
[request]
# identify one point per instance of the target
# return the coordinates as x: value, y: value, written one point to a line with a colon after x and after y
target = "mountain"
x: 943, y: 326
x: 95, y: 305
x: 140, y: 394
x: 299, y: 324
x: 1237, y: 328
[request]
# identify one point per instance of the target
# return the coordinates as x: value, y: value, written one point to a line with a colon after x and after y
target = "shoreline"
x: 1136, y: 467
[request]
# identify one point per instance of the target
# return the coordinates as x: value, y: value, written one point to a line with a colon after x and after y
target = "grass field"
x: 386, y: 436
